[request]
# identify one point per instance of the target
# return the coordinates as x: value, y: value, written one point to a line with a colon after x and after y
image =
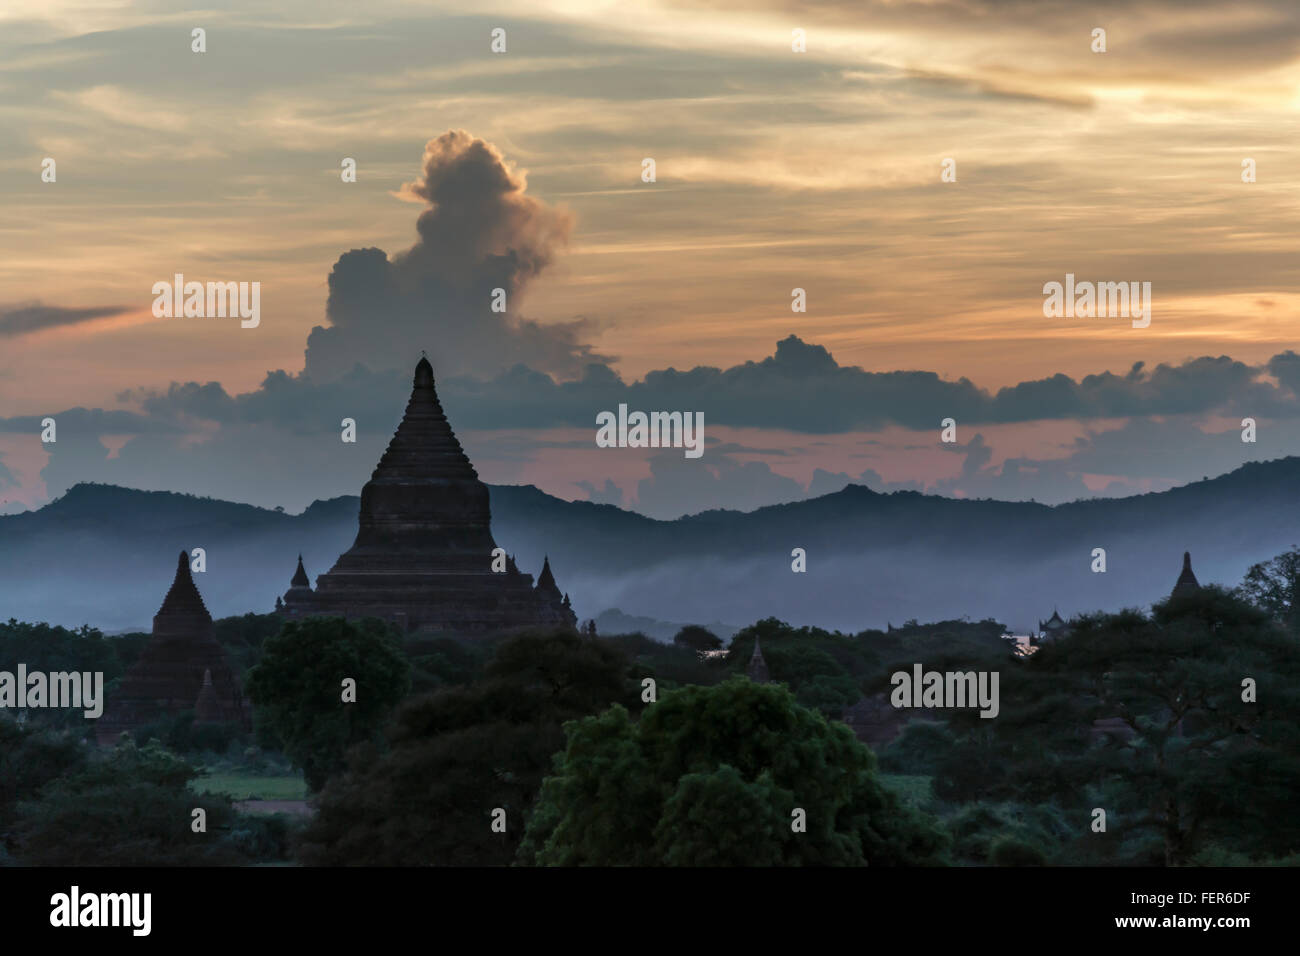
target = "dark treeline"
x: 1168, y: 737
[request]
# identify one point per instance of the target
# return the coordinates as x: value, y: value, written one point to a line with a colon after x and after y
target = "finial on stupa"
x: 423, y: 371
x: 1186, y: 583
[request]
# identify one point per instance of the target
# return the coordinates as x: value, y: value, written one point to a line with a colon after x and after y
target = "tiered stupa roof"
x: 169, y: 675
x: 423, y: 552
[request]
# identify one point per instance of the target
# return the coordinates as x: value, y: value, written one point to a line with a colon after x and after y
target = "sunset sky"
x: 775, y: 170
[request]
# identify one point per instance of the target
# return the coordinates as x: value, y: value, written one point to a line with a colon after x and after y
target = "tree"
x: 31, y: 757
x: 48, y: 648
x: 130, y: 807
x: 714, y: 776
x: 821, y: 668
x: 298, y: 689
x: 1274, y: 586
x: 1188, y: 758
x: 698, y: 638
x: 458, y: 753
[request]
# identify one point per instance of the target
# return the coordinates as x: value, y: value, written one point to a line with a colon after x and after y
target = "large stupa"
x: 424, y: 555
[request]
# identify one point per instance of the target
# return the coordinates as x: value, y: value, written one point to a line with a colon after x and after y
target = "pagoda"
x: 183, y: 667
x: 424, y: 558
x: 1186, y: 583
x: 756, y: 670
x: 1052, y: 628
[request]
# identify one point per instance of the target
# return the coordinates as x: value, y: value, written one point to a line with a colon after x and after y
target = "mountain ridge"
x: 872, y: 557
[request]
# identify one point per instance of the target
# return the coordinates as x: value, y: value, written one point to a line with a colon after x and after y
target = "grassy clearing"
x: 915, y: 789
x: 248, y: 786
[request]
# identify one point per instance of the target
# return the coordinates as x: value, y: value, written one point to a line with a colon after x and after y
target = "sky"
x: 775, y: 170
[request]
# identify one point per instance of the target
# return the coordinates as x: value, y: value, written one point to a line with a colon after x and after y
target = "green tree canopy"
x: 31, y: 757
x: 297, y: 688
x: 697, y: 638
x: 458, y: 753
x: 1182, y: 761
x: 1274, y: 586
x: 129, y: 807
x: 712, y: 775
x: 49, y: 648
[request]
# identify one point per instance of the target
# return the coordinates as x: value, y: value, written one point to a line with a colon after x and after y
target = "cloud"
x: 799, y: 388
x: 679, y: 486
x: 610, y: 494
x: 33, y: 317
x: 480, y: 232
x: 802, y: 388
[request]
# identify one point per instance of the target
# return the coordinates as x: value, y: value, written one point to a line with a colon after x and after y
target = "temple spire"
x: 423, y: 450
x: 546, y: 580
x: 1187, y: 583
x: 183, y: 597
x: 300, y: 579
x: 423, y: 373
x: 757, y: 669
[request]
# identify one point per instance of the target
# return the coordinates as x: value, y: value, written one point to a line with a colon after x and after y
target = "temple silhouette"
x: 424, y: 558
x: 183, y: 667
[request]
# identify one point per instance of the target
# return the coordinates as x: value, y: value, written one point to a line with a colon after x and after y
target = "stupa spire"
x: 424, y: 448
x: 183, y: 597
x: 546, y: 580
x: 1187, y: 582
x: 300, y: 579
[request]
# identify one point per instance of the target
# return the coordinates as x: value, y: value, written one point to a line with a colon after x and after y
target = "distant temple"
x: 1186, y: 583
x: 756, y: 670
x: 183, y: 667
x: 1052, y: 628
x: 423, y: 557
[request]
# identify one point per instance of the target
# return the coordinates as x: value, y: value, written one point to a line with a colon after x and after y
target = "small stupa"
x: 183, y: 667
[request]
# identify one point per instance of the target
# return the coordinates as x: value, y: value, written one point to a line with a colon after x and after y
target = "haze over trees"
x: 872, y: 557
x: 1182, y: 723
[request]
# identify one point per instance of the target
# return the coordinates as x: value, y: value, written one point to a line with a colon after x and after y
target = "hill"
x: 104, y: 555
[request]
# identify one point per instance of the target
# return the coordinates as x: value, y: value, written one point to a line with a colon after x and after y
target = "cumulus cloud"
x: 480, y: 232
